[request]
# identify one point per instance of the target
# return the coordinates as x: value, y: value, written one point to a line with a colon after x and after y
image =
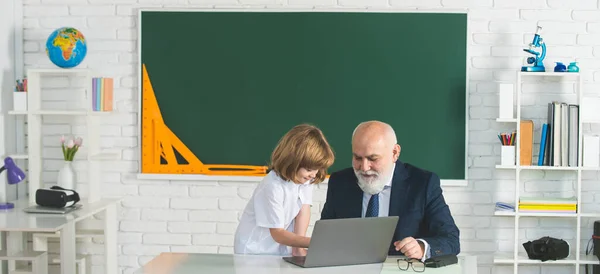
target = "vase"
x: 66, y: 176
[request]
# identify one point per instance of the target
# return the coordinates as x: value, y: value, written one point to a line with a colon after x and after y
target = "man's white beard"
x: 372, y: 185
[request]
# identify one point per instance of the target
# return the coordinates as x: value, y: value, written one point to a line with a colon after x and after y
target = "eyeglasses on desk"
x: 416, y: 265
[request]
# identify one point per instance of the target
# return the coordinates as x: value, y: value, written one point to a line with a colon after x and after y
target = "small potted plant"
x: 66, y: 175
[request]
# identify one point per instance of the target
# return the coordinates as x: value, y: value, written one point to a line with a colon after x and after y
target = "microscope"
x: 537, y: 61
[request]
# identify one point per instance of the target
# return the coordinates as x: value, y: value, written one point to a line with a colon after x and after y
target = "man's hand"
x: 299, y: 251
x: 410, y: 248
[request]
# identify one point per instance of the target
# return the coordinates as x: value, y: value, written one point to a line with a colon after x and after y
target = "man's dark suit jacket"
x: 416, y: 197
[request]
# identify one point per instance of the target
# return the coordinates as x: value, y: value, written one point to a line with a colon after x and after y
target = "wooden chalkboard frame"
x: 196, y: 177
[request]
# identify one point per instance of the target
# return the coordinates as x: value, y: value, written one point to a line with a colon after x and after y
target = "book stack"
x: 547, y: 205
x: 102, y: 94
x: 559, y: 136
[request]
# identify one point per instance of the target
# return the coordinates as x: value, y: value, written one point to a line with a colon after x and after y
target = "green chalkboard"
x: 230, y: 84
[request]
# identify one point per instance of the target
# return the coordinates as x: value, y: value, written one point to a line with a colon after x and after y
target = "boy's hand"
x: 299, y: 251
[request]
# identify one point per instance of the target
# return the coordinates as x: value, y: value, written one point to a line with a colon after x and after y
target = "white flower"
x: 78, y: 141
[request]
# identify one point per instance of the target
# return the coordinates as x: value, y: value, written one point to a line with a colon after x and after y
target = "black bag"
x: 547, y: 248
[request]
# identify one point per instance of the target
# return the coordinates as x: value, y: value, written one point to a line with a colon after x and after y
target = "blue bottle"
x: 560, y: 67
x: 573, y: 67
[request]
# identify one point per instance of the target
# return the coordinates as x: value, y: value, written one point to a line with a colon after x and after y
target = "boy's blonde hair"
x: 304, y: 146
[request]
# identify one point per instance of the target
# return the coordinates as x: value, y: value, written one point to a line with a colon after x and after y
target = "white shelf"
x: 19, y: 156
x: 506, y: 120
x: 558, y: 215
x: 58, y: 71
x: 504, y: 213
x: 80, y: 233
x: 590, y: 121
x: 508, y: 258
x: 550, y: 74
x: 588, y: 259
x: 549, y: 215
x: 60, y: 112
x: 532, y: 214
x: 23, y: 270
x: 20, y: 256
x: 558, y: 78
x: 563, y: 168
x: 79, y: 258
x: 35, y: 116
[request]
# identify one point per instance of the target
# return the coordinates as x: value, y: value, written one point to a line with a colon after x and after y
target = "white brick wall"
x: 160, y: 216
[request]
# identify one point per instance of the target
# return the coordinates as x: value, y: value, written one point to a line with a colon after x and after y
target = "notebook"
x: 51, y: 210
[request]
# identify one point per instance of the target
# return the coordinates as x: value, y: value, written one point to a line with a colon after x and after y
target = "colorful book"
x: 102, y: 94
x: 94, y: 93
x: 108, y: 95
x: 542, y: 145
x: 547, y: 200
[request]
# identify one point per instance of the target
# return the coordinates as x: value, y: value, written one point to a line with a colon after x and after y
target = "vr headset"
x: 56, y: 197
x: 547, y: 248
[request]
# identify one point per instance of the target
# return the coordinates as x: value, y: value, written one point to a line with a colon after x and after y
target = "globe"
x: 66, y: 47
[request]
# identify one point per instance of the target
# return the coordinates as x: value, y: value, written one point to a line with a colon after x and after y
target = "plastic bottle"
x: 573, y: 67
x: 560, y: 67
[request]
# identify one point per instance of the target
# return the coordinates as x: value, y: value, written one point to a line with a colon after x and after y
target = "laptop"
x: 51, y: 210
x: 349, y: 241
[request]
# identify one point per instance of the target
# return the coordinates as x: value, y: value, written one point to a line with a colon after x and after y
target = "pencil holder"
x: 505, y: 99
x: 507, y: 156
x: 20, y: 101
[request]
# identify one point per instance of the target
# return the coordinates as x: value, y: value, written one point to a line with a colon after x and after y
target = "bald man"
x: 378, y: 184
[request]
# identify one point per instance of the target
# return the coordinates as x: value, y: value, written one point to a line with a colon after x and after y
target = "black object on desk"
x: 441, y: 261
x: 56, y: 197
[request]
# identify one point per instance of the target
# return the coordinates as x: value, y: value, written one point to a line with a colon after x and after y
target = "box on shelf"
x: 20, y: 101
x: 526, y: 142
x: 506, y: 101
x: 591, y: 151
x: 589, y: 109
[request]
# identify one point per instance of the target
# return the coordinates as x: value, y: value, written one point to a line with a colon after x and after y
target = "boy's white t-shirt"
x: 275, y: 203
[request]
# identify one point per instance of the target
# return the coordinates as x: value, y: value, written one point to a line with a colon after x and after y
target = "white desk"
x: 183, y: 263
x: 15, y: 222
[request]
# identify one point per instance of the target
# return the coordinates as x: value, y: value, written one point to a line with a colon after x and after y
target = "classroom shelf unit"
x: 518, y: 256
x: 35, y: 114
